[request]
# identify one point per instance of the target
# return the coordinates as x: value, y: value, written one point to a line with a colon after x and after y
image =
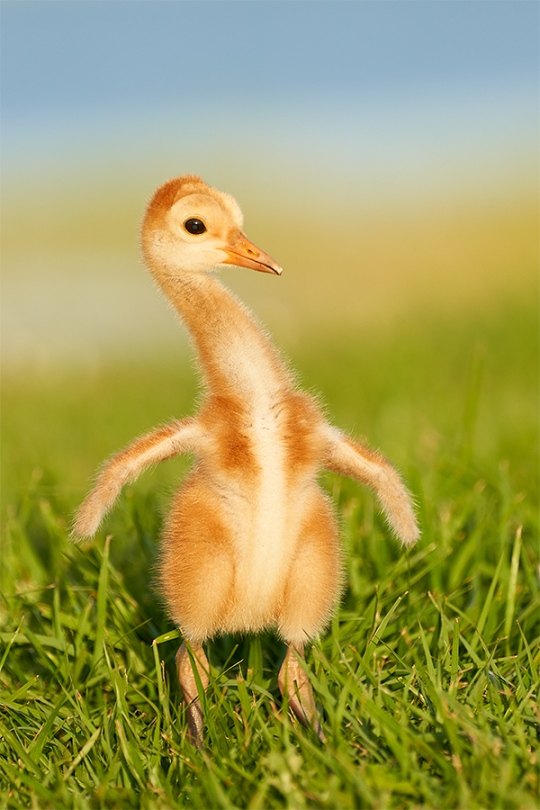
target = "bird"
x: 251, y: 540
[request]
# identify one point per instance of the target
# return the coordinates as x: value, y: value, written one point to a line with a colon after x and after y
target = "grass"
x: 428, y: 677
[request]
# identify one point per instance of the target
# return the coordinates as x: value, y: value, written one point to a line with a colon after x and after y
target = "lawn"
x: 427, y: 679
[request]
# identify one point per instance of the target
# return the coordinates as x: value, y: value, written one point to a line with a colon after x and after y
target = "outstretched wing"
x: 347, y: 457
x: 163, y: 443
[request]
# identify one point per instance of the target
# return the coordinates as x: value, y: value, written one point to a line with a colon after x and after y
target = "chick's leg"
x: 188, y: 665
x: 294, y: 683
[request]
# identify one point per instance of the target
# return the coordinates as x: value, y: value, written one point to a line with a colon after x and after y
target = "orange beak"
x: 243, y: 253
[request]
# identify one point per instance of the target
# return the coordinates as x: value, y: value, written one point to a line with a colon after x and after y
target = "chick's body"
x: 251, y: 532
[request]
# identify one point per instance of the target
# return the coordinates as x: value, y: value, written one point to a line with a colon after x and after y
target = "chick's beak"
x: 243, y: 253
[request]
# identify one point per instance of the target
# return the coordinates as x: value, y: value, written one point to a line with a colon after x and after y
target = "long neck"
x: 237, y: 358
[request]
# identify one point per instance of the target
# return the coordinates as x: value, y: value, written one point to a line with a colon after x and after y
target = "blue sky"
x: 69, y: 57
x: 406, y: 91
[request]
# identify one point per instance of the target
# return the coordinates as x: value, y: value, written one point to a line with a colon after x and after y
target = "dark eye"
x: 194, y: 226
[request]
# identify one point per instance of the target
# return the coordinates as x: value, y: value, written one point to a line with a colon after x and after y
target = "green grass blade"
x: 102, y: 597
x: 512, y: 583
x: 488, y: 602
x: 87, y: 747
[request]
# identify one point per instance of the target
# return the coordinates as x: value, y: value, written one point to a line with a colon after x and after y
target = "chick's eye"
x: 194, y: 226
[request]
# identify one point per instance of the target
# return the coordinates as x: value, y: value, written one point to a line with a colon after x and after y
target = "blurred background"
x: 385, y: 153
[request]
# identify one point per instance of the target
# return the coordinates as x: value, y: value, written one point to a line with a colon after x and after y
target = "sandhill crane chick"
x: 251, y: 540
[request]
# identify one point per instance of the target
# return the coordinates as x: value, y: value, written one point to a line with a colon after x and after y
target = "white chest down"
x: 266, y: 540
